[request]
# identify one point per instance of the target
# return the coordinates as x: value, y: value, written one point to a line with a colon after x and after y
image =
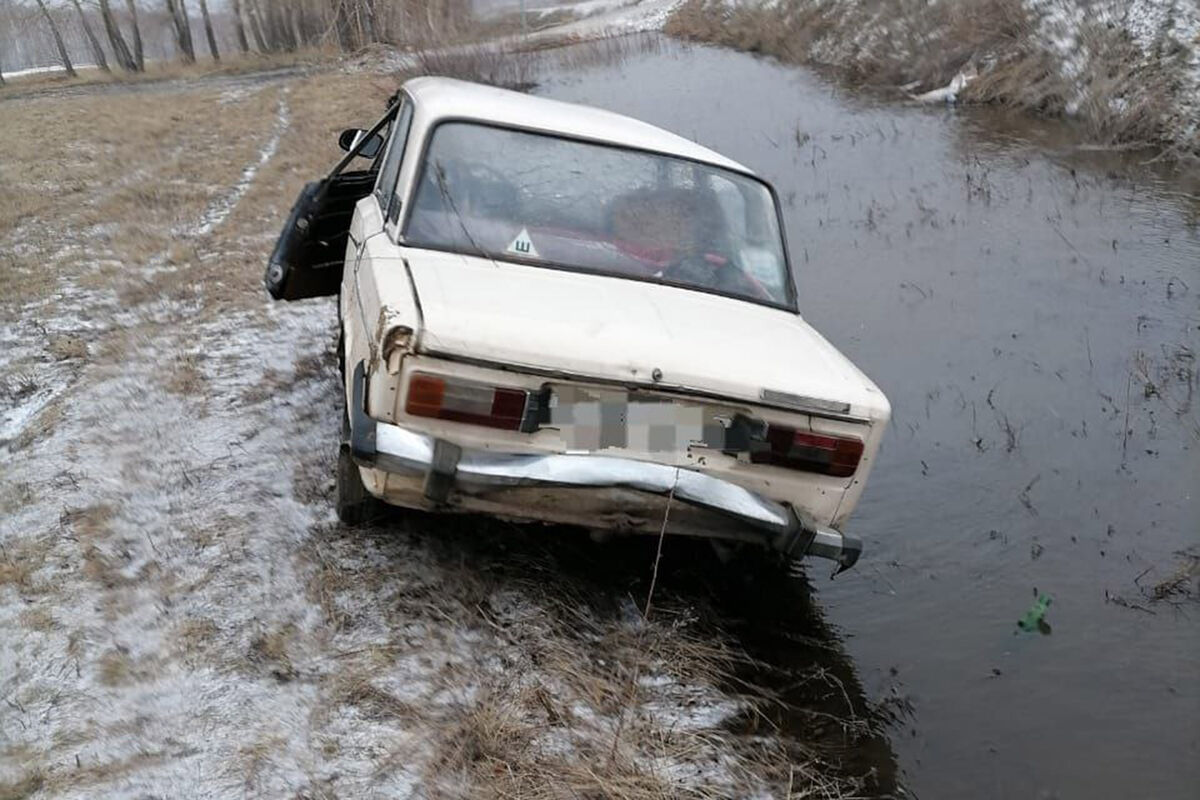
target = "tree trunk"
x: 208, y: 32
x: 139, y: 57
x: 93, y: 43
x: 292, y: 14
x: 58, y: 41
x: 286, y: 30
x: 182, y: 29
x: 278, y: 33
x: 256, y: 26
x: 239, y: 27
x: 344, y: 22
x: 185, y: 28
x: 115, y: 40
x: 372, y: 21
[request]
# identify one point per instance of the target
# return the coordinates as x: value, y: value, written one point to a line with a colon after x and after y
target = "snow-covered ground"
x: 1162, y: 30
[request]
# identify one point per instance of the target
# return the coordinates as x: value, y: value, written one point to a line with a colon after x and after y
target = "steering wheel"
x: 713, y: 270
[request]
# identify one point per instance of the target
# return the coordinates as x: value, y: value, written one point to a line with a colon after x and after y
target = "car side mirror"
x: 352, y: 137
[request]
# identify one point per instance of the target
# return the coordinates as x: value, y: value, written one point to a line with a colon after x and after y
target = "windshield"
x: 541, y: 199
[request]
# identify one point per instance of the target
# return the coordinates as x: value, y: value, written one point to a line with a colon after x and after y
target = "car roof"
x: 439, y: 99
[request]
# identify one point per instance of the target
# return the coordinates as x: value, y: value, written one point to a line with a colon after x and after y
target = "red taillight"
x: 462, y: 401
x: 812, y: 452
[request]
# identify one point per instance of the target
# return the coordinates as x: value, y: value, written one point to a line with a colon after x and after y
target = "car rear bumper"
x: 444, y: 467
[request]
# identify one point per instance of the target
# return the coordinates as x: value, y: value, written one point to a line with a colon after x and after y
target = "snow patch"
x: 220, y: 209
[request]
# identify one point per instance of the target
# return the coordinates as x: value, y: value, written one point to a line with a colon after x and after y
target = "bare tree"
x: 281, y: 27
x: 239, y: 27
x: 208, y: 31
x: 310, y: 22
x: 139, y: 56
x: 182, y: 29
x: 93, y: 43
x: 58, y: 40
x: 256, y: 25
x: 115, y: 39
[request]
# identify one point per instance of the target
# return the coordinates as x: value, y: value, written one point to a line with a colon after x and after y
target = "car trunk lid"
x: 634, y: 332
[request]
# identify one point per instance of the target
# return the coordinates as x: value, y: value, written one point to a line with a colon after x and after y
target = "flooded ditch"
x: 1031, y: 310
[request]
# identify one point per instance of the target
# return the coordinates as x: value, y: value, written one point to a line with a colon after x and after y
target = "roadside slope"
x: 1127, y: 70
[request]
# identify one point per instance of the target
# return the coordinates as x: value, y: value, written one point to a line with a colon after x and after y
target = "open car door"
x: 311, y: 250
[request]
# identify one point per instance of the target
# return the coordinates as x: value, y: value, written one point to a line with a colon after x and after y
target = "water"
x: 1033, y: 313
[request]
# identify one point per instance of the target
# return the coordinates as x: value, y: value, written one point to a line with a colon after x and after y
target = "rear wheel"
x: 355, y: 505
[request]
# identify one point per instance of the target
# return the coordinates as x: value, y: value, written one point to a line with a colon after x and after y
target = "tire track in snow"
x: 220, y: 208
x: 56, y: 377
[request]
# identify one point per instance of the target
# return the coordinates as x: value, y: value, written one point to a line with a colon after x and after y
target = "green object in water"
x: 1033, y: 617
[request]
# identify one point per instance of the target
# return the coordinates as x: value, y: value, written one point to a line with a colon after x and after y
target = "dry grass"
x: 1122, y: 97
x: 38, y: 619
x: 121, y: 185
x: 926, y: 44
x: 65, y: 347
x: 1181, y: 584
x: 20, y: 561
x: 563, y: 694
x: 22, y: 788
x: 518, y: 64
x: 100, y: 773
x: 271, y: 650
x: 116, y: 668
x: 371, y: 701
x: 482, y: 64
x: 183, y: 376
x: 194, y: 635
x: 46, y: 421
x: 15, y: 495
x: 255, y: 757
x: 230, y: 64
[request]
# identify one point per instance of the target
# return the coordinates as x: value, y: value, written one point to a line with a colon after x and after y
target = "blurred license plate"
x: 592, y: 420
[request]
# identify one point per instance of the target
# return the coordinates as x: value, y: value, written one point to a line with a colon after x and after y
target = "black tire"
x: 355, y: 505
x: 341, y: 354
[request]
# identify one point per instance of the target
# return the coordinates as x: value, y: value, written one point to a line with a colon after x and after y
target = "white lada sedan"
x: 555, y: 313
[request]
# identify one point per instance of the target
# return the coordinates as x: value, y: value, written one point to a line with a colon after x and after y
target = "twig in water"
x: 1125, y: 427
x: 1062, y: 236
x: 1117, y: 600
x: 662, y: 532
x: 1024, y: 495
x: 1087, y: 340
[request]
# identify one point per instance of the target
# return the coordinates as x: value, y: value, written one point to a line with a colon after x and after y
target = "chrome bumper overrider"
x: 444, y: 465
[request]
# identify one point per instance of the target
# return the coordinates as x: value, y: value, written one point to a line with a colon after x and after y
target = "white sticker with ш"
x: 523, y: 245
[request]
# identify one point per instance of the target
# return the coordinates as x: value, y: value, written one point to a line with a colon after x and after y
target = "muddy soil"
x: 1031, y: 310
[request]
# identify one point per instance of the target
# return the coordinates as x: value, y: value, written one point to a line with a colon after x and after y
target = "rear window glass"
x: 541, y: 199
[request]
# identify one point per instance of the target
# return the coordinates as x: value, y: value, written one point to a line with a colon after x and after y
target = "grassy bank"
x: 1129, y: 76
